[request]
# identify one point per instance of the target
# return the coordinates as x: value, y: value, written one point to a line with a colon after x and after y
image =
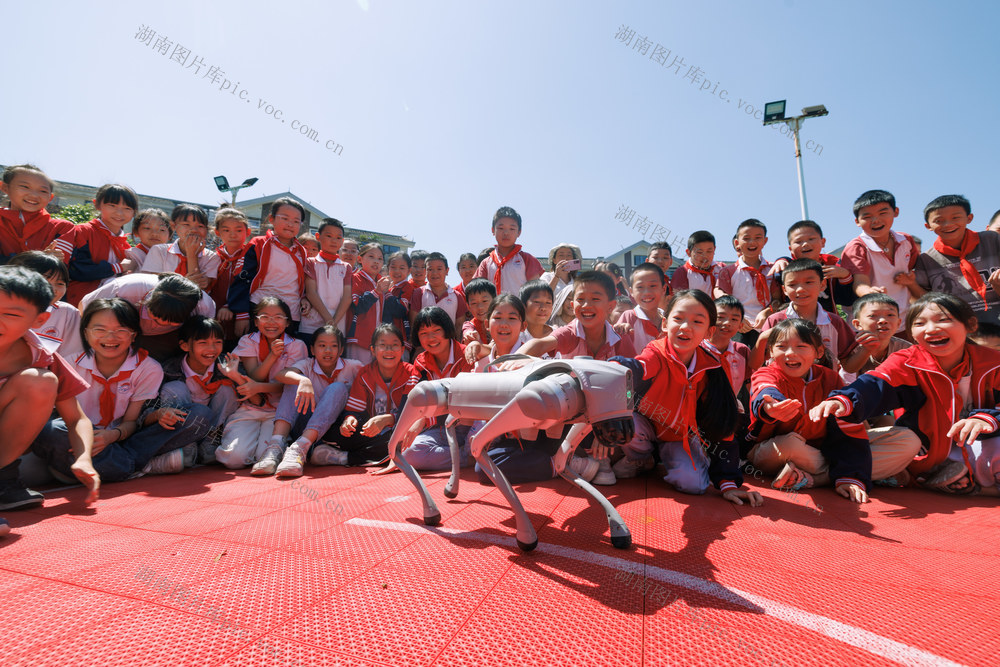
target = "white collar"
x: 822, y: 317
x: 609, y: 333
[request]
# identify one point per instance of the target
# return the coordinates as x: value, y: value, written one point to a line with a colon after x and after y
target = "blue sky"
x: 447, y: 110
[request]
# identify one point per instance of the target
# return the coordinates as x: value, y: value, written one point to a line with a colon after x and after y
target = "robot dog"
x: 591, y: 395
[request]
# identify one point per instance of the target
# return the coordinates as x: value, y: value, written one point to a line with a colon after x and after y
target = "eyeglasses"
x: 272, y: 318
x: 101, y: 332
x: 388, y: 348
x: 285, y: 218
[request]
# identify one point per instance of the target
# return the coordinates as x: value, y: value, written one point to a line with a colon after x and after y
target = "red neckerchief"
x: 328, y: 378
x: 297, y: 252
x: 209, y: 386
x: 759, y: 283
x: 142, y: 246
x: 20, y: 225
x: 425, y: 361
x: 264, y: 347
x: 227, y: 260
x: 182, y: 263
x: 497, y: 279
x: 119, y: 244
x: 331, y: 257
x: 709, y: 273
x: 969, y: 243
x: 107, y: 398
x: 961, y: 369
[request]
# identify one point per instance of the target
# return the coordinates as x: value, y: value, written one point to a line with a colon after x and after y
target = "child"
x: 562, y: 307
x: 376, y: 400
x: 962, y: 262
x: 805, y: 241
x: 662, y: 255
x: 26, y: 225
x: 508, y: 266
x: 32, y: 381
x: 644, y: 321
x: 591, y: 334
x: 274, y: 265
x: 803, y: 283
x: 311, y: 245
x: 247, y: 436
x: 623, y: 304
x: 232, y: 229
x: 349, y: 252
x: 560, y: 276
x: 945, y: 387
x: 196, y: 379
x: 466, y: 270
x: 987, y: 334
x: 442, y: 357
x: 613, y: 271
x: 63, y: 326
x: 396, y: 307
x: 187, y: 256
x: 329, y: 281
x: 880, y: 259
x: 479, y: 295
x: 748, y: 281
x: 315, y: 394
x: 536, y: 296
x: 804, y: 453
x: 876, y: 318
x: 122, y: 378
x: 97, y: 249
x: 699, y: 271
x: 506, y: 318
x: 735, y: 356
x: 418, y: 268
x: 994, y: 225
x: 688, y: 409
x: 151, y: 227
x: 368, y: 292
x: 437, y: 293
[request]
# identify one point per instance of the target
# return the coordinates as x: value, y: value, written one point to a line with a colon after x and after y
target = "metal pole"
x: 796, y: 123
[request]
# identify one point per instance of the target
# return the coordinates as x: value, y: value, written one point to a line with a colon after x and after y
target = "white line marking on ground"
x: 842, y: 632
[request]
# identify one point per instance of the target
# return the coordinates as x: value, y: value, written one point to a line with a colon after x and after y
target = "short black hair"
x: 287, y: 201
x: 660, y: 245
x: 333, y: 330
x: 947, y: 200
x: 529, y: 289
x: 730, y: 301
x: 126, y: 314
x: 387, y: 330
x: 649, y: 266
x: 508, y: 299
x: 801, y: 265
x: 42, y: 263
x: 804, y: 224
x: 432, y: 316
x: 478, y: 285
x: 873, y: 297
x: 994, y: 217
x: 330, y: 222
x: 468, y: 257
x: 602, y: 279
x: 418, y: 254
x: 116, y: 193
x: 173, y: 299
x: 871, y: 198
x: 986, y: 330
x: 439, y: 256
x: 268, y: 301
x: 399, y: 254
x: 700, y: 236
x: 506, y: 212
x: 182, y: 211
x: 751, y: 222
x: 27, y: 285
x: 199, y: 327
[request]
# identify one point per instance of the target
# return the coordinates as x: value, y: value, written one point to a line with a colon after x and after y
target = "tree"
x: 78, y: 213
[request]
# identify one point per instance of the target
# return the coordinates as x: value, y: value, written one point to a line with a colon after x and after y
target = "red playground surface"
x: 214, y: 567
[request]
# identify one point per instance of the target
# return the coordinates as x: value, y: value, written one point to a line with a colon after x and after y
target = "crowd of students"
x: 123, y: 353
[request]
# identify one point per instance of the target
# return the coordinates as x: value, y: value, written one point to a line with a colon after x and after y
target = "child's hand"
x: 599, y: 451
x: 966, y: 431
x: 51, y: 249
x: 102, y: 438
x: 622, y: 328
x: 827, y: 408
x: 781, y: 411
x: 305, y: 306
x: 835, y: 271
x: 760, y: 319
x: 384, y: 285
x: 475, y: 351
x: 853, y: 492
x: 198, y: 278
x: 778, y: 266
x: 746, y: 326
x: 410, y: 434
x: 191, y: 245
x: 128, y: 265
x: 349, y: 426
x: 241, y: 327
x: 305, y: 397
x: 910, y: 278
x: 223, y: 314
x: 229, y: 365
x: 376, y: 425
x: 83, y: 469
x: 868, y: 340
x: 995, y: 281
x: 470, y: 336
x: 278, y: 346
x: 737, y: 496
x: 250, y: 388
x: 169, y: 418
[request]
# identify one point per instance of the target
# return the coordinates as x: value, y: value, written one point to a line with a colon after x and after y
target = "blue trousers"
x: 430, y: 450
x: 328, y: 408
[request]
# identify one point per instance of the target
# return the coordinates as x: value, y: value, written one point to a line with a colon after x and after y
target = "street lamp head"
x: 250, y: 181
x: 222, y: 183
x: 774, y: 112
x: 815, y: 111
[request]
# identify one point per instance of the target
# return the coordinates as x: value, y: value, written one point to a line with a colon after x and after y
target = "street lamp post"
x: 222, y: 183
x: 774, y: 112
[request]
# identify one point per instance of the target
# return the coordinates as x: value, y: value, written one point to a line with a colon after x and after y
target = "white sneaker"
x: 584, y: 466
x: 165, y: 464
x: 605, y: 475
x: 325, y: 455
x: 268, y: 462
x: 627, y: 468
x: 292, y: 462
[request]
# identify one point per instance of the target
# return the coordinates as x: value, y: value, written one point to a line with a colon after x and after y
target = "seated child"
x: 591, y: 334
x: 63, y: 326
x: 396, y: 307
x: 150, y: 227
x: 377, y: 397
x: 350, y: 252
x: 442, y: 357
x: 805, y: 241
x: 803, y: 452
x: 687, y: 408
x: 537, y: 299
x: 958, y: 450
x: 643, y: 322
x: 467, y: 265
x: 962, y: 262
x: 246, y: 438
x: 880, y: 259
x: 508, y: 266
x: 196, y: 379
x: 479, y: 294
x: 26, y: 225
x: 127, y: 440
x: 506, y: 318
x: 368, y: 292
x: 987, y: 334
x: 97, y: 250
x: 329, y: 281
x: 699, y: 271
x: 232, y: 229
x: 437, y: 293
x: 748, y: 279
x: 33, y: 380
x: 311, y: 245
x: 187, y: 256
x: 876, y: 317
x: 803, y: 282
x: 315, y: 394
x: 735, y: 356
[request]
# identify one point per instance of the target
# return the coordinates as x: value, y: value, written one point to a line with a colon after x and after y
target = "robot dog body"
x: 589, y: 394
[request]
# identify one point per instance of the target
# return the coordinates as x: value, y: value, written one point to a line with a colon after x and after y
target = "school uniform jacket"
x: 361, y: 401
x: 843, y: 444
x: 256, y: 260
x: 911, y: 381
x: 643, y: 330
x: 668, y: 396
x: 20, y: 232
x: 367, y: 307
x: 91, y: 245
x: 396, y: 309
